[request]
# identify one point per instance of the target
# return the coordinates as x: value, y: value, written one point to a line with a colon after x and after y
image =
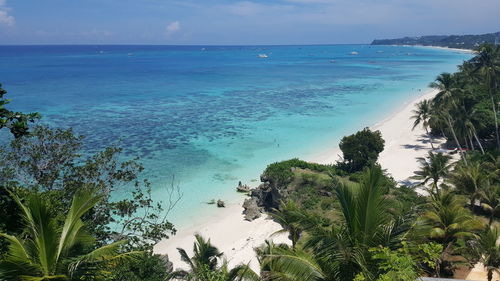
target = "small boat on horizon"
x: 263, y: 56
x: 354, y: 53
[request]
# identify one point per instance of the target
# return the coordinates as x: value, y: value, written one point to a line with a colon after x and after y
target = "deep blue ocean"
x: 215, y: 115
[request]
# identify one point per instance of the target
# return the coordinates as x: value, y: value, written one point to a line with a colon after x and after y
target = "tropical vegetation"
x: 345, y: 221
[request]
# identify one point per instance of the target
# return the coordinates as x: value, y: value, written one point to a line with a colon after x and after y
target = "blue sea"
x: 215, y: 115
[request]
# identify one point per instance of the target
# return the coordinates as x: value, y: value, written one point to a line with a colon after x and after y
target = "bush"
x: 148, y: 267
x: 280, y: 173
x: 361, y: 149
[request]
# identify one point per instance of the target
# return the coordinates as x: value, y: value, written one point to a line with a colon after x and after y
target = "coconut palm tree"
x: 422, y: 115
x: 50, y: 252
x: 470, y: 180
x: 487, y: 63
x: 468, y: 117
x: 446, y: 84
x: 341, y: 251
x: 294, y: 220
x: 204, y: 265
x: 435, y: 167
x: 447, y: 221
x: 289, y: 217
x: 488, y: 250
x: 445, y: 101
x: 490, y: 201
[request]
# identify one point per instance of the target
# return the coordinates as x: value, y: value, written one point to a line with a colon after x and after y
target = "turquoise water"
x: 211, y: 115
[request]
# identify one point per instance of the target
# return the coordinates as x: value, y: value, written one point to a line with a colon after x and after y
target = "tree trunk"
x: 471, y: 143
x: 496, y: 120
x: 473, y: 202
x: 478, y: 141
x: 430, y: 137
x: 492, y: 85
x: 456, y: 140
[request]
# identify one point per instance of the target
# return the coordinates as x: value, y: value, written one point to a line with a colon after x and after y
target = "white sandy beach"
x: 237, y: 238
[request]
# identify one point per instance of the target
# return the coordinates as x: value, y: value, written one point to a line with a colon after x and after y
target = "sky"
x: 235, y: 22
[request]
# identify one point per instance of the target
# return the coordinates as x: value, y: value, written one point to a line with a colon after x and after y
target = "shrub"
x: 361, y: 149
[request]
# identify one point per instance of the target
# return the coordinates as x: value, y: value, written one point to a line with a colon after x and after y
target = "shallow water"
x: 215, y: 115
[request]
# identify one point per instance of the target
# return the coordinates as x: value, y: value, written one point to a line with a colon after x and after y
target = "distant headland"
x: 449, y: 41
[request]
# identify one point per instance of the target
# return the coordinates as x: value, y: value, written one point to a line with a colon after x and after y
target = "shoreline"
x: 236, y: 237
x: 467, y: 51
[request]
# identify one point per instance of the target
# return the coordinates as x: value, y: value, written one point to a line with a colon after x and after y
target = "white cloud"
x: 172, y: 28
x: 5, y: 18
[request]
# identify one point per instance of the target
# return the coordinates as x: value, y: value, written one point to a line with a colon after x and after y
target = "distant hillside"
x: 450, y: 41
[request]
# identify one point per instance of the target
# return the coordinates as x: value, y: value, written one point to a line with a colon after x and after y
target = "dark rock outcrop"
x: 268, y: 195
x: 243, y: 188
x: 221, y: 204
x: 169, y: 266
x: 252, y: 210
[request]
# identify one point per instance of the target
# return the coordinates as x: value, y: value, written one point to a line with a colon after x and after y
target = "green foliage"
x: 294, y: 220
x: 448, y: 223
x: 361, y: 149
x: 403, y: 263
x: 488, y: 250
x: 146, y: 267
x: 395, y: 265
x: 490, y: 201
x: 450, y: 41
x: 280, y: 173
x: 49, y: 251
x: 16, y: 122
x: 429, y: 254
x: 465, y: 108
x: 470, y: 180
x: 48, y: 161
x: 433, y: 168
x: 422, y: 116
x: 340, y: 251
x: 206, y: 264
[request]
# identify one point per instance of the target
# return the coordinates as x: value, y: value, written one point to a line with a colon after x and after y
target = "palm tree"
x: 470, y: 180
x: 490, y: 200
x: 445, y: 83
x: 294, y: 220
x: 469, y: 116
x: 487, y: 63
x: 433, y: 168
x: 49, y: 252
x: 341, y: 251
x: 204, y: 265
x: 422, y: 116
x: 444, y: 101
x: 488, y: 250
x: 446, y: 222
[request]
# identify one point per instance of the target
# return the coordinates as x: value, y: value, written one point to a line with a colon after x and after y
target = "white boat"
x: 354, y: 53
x: 263, y: 56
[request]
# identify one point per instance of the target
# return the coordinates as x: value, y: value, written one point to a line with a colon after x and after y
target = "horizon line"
x: 184, y: 45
